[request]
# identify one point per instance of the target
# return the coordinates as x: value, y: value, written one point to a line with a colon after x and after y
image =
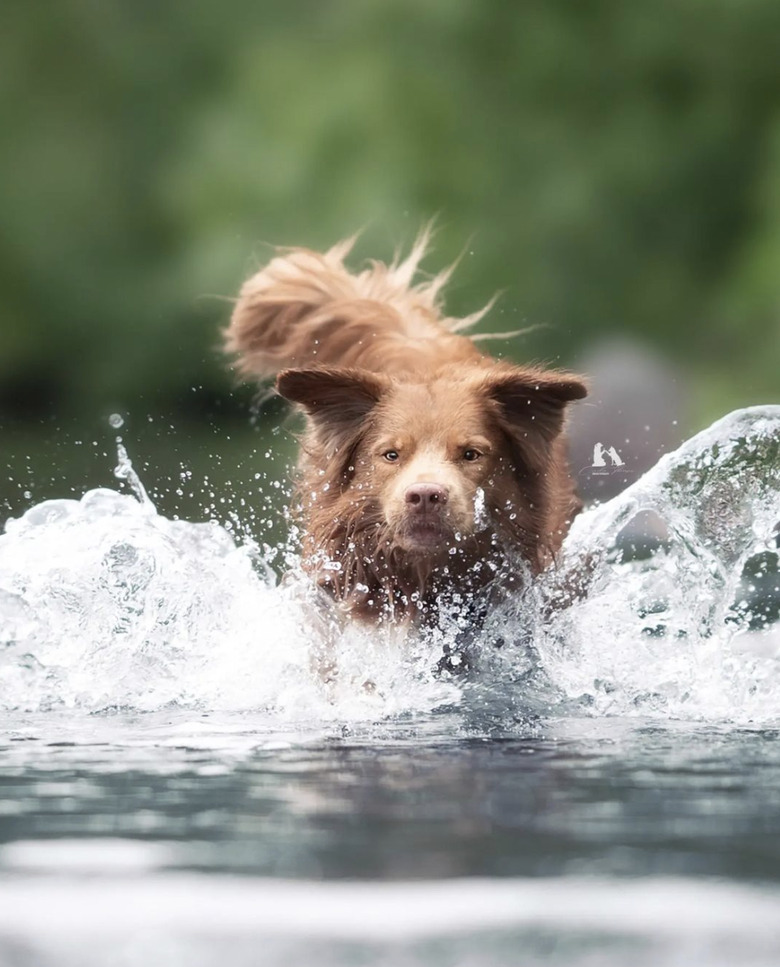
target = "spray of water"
x: 106, y: 604
x: 688, y: 630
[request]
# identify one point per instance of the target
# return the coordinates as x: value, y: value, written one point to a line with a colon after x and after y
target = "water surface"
x: 179, y: 785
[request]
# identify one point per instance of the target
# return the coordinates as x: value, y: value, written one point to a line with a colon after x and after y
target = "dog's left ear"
x: 532, y: 399
x: 337, y: 401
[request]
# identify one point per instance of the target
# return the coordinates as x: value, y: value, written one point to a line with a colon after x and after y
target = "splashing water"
x: 106, y: 604
x: 672, y: 633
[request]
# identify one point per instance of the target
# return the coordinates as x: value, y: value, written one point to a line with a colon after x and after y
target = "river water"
x: 180, y: 785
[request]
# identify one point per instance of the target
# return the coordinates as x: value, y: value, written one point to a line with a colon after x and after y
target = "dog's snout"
x: 426, y: 497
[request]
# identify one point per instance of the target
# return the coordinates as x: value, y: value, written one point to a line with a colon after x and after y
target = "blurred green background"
x: 611, y: 167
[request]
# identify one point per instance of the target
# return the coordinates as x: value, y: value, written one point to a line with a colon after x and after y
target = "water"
x: 181, y: 784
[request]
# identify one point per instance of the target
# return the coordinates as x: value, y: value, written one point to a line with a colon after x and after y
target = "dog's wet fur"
x: 426, y: 466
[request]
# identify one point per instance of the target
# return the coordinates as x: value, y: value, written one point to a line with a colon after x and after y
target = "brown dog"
x: 426, y: 466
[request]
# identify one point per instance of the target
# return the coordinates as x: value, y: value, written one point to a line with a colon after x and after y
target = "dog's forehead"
x: 440, y: 407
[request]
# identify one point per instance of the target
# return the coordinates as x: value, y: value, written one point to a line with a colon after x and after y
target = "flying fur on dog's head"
x: 306, y: 308
x: 425, y: 464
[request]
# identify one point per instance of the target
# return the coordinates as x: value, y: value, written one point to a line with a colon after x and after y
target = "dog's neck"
x: 390, y: 583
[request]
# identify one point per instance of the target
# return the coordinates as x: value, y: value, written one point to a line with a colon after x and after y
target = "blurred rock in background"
x: 638, y: 408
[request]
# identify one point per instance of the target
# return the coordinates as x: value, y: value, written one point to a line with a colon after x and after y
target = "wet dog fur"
x: 426, y: 467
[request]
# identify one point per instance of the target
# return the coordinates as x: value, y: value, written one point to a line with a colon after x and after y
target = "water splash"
x: 106, y: 604
x: 671, y: 633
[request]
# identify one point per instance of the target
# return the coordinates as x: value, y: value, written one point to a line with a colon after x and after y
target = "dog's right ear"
x: 337, y: 401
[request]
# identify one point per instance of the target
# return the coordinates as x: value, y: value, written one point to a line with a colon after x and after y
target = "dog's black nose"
x: 426, y: 497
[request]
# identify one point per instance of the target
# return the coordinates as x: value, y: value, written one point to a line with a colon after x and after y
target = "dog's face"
x: 425, y: 466
x: 432, y: 452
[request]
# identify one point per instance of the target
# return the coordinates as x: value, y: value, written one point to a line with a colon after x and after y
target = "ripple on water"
x: 136, y: 920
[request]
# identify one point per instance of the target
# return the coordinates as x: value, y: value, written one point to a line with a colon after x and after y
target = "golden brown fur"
x: 426, y: 466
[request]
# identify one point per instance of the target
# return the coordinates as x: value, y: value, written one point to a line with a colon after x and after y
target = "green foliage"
x: 611, y: 166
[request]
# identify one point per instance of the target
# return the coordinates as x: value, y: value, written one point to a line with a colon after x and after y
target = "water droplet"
x: 116, y: 421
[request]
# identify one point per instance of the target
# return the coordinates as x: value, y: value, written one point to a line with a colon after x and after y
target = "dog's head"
x: 423, y: 467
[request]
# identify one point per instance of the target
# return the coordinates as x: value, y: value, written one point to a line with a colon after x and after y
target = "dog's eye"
x: 471, y: 455
x: 390, y: 455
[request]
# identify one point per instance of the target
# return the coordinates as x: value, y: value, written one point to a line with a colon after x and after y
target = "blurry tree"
x: 612, y: 166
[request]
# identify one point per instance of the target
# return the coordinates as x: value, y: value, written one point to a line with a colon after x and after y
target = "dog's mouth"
x: 425, y: 535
